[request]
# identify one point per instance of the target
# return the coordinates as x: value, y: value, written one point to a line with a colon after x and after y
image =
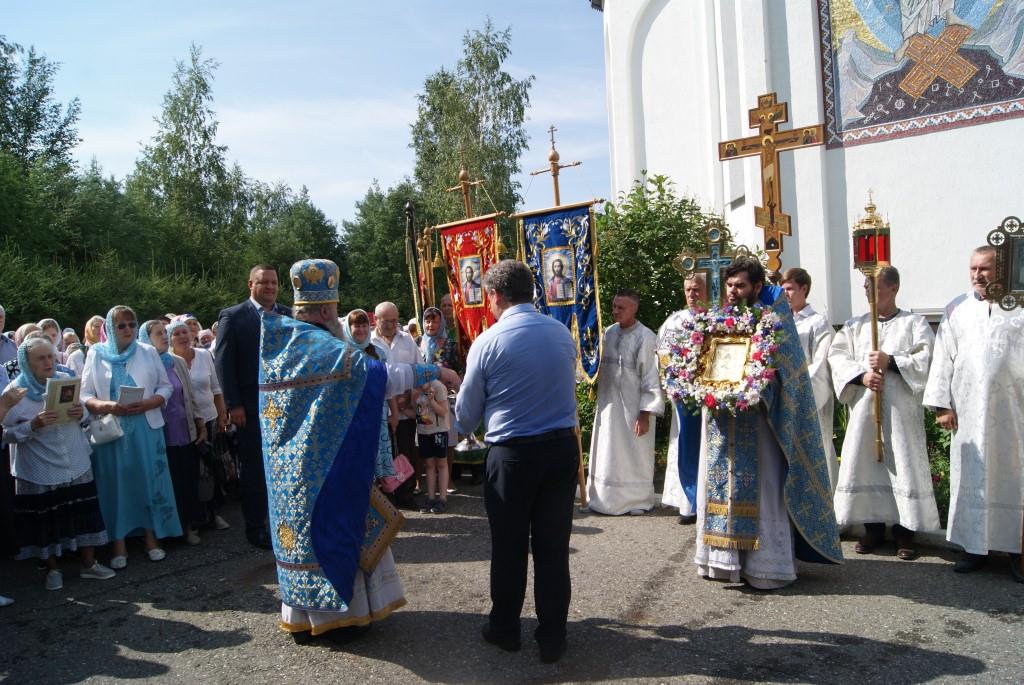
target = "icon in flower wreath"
x: 721, y: 358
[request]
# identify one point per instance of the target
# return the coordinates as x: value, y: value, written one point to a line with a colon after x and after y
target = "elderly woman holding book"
x: 126, y: 378
x: 56, y: 505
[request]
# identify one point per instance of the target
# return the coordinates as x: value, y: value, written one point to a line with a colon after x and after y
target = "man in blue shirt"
x: 520, y: 379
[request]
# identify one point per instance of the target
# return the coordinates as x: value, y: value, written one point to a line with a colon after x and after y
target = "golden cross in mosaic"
x: 768, y: 143
x: 935, y: 57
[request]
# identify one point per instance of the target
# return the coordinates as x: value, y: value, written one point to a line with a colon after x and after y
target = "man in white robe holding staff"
x: 976, y: 388
x: 896, y: 491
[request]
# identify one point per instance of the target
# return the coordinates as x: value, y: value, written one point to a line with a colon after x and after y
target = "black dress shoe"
x: 259, y: 538
x: 970, y: 562
x: 549, y: 654
x: 687, y: 519
x: 343, y: 636
x: 1015, y: 569
x: 303, y: 637
x: 509, y: 644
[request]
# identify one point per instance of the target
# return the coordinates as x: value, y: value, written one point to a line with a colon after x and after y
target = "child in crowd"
x: 431, y: 402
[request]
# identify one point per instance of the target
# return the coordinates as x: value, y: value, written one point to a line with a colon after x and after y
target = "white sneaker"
x: 192, y: 537
x: 54, y: 579
x: 119, y: 562
x: 5, y: 601
x: 219, y: 523
x: 156, y: 554
x: 96, y: 572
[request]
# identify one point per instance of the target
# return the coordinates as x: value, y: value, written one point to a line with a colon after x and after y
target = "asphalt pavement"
x: 639, y: 614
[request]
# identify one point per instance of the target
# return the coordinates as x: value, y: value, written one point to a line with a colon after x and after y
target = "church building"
x: 920, y: 103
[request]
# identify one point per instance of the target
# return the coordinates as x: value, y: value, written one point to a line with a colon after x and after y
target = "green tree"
x: 182, y: 174
x: 34, y: 127
x: 476, y: 109
x: 376, y: 269
x: 638, y: 236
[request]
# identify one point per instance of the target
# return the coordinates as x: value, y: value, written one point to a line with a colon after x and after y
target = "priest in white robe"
x: 896, y: 491
x: 976, y: 388
x: 621, y: 475
x: 815, y: 333
x: 683, y: 453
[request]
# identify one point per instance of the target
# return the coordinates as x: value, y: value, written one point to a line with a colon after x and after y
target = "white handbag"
x: 104, y: 429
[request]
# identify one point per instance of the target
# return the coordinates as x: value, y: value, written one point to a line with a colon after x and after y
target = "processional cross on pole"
x: 714, y: 263
x: 554, y: 167
x: 768, y: 143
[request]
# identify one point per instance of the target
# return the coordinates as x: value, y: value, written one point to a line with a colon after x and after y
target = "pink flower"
x: 730, y: 322
x: 709, y: 401
x: 697, y: 338
x: 756, y: 356
x: 768, y: 374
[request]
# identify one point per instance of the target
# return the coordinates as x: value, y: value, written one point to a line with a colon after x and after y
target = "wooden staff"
x: 873, y: 285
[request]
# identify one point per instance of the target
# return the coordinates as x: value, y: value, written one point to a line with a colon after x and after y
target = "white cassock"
x: 672, y: 492
x: 899, y: 488
x: 374, y: 598
x: 816, y: 333
x: 978, y: 372
x: 621, y: 477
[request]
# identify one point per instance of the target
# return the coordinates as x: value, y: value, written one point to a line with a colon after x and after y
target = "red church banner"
x: 470, y: 248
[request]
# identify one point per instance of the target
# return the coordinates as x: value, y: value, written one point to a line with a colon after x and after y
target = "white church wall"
x: 682, y: 75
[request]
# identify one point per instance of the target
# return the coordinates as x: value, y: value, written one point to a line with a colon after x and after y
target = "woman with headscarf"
x: 56, y: 506
x: 194, y: 327
x: 52, y: 329
x: 355, y: 330
x: 132, y: 474
x: 209, y: 400
x: 183, y: 427
x: 91, y: 334
x: 13, y: 368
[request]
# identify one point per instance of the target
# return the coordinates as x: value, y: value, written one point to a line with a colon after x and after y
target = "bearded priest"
x: 763, y: 491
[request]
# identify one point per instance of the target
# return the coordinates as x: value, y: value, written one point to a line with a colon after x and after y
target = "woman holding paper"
x: 183, y: 427
x: 56, y: 506
x: 126, y: 378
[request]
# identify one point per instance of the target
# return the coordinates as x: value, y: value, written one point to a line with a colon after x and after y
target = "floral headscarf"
x: 432, y: 346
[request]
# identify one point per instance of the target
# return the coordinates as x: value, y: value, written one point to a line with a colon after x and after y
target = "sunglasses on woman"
x: 126, y: 324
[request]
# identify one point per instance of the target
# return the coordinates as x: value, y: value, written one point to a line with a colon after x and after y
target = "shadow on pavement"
x: 607, y: 650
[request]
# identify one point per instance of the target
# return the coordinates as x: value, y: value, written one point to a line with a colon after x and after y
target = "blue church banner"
x: 559, y: 247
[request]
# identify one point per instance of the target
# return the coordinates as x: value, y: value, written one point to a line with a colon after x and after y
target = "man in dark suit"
x: 237, y: 360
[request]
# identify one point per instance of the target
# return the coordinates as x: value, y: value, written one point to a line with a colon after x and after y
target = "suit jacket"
x: 146, y: 370
x: 238, y: 354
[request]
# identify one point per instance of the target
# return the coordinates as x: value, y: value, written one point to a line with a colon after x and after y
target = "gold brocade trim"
x: 320, y: 379
x: 289, y: 566
x: 345, y: 622
x: 723, y: 509
x: 741, y: 543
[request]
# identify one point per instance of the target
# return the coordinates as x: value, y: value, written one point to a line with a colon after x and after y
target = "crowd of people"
x: 300, y: 410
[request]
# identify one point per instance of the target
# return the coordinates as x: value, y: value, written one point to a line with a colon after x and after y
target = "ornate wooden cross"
x: 768, y: 143
x: 554, y: 166
x: 936, y: 57
x: 714, y: 263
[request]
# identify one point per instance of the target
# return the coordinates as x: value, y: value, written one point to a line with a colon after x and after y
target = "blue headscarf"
x: 118, y: 360
x: 433, y: 345
x: 346, y: 330
x: 27, y: 379
x: 107, y: 350
x: 165, y: 356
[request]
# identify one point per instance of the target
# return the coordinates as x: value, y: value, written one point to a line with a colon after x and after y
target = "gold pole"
x: 873, y: 284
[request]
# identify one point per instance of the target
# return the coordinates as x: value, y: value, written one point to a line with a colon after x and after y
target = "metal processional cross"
x: 714, y: 263
x: 553, y: 166
x: 768, y: 143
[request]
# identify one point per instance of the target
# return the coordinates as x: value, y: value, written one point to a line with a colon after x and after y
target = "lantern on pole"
x: 871, y: 252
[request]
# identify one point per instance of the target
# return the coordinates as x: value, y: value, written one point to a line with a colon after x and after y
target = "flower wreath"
x: 681, y: 349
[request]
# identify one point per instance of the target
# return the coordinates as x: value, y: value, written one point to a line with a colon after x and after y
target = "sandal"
x: 906, y: 554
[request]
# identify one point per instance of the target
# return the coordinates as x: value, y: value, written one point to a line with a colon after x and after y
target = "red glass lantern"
x: 871, y: 248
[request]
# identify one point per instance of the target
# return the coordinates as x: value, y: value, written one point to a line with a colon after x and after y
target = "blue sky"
x: 320, y: 93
